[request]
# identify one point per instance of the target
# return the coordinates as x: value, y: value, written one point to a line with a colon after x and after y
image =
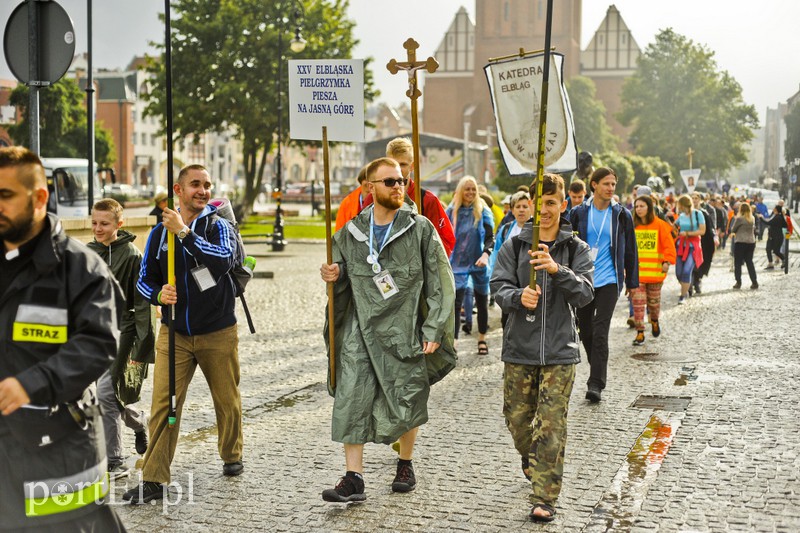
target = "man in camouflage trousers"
x: 540, y: 342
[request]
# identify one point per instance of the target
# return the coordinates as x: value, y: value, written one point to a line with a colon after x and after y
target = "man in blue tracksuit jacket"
x: 206, y: 251
x: 608, y: 228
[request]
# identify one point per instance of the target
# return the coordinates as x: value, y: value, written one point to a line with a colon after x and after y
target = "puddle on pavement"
x: 657, y: 357
x: 281, y: 403
x: 687, y: 374
x: 621, y: 503
x: 287, y: 401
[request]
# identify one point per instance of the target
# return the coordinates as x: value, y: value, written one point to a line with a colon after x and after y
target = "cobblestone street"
x: 695, y: 431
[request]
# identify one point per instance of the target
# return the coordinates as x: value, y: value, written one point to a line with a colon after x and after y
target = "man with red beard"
x: 394, y: 296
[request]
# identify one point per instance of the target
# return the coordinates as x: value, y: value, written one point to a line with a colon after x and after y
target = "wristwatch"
x: 184, y: 232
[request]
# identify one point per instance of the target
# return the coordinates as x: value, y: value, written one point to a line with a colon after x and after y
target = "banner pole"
x: 172, y: 414
x: 326, y: 176
x: 537, y: 203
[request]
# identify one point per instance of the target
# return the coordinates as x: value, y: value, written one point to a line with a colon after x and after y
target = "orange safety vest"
x: 655, y: 245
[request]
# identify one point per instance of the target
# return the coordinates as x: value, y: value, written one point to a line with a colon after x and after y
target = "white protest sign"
x: 515, y: 87
x: 691, y: 177
x: 326, y: 92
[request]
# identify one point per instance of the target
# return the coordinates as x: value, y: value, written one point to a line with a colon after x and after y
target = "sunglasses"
x: 391, y: 182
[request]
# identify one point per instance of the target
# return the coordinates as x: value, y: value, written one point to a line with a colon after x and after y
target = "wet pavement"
x: 696, y: 430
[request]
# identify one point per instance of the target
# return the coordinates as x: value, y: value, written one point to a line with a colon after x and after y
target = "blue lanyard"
x: 371, y: 236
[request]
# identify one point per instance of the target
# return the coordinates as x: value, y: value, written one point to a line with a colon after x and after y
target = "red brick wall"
x: 117, y: 117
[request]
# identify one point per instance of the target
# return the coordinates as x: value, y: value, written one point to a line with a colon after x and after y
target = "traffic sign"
x: 55, y: 42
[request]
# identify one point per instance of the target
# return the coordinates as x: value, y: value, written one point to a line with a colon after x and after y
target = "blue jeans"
x: 683, y: 269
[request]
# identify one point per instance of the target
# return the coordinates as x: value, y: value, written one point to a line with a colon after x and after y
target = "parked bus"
x: 68, y: 183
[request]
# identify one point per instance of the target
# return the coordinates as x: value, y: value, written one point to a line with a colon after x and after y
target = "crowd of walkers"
x: 400, y: 273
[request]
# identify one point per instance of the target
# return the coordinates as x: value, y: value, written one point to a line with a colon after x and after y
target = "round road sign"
x: 55, y: 42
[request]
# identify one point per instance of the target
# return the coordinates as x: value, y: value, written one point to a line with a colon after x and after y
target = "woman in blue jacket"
x: 474, y: 228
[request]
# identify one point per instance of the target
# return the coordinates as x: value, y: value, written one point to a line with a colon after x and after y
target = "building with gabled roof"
x: 608, y: 60
x: 456, y: 97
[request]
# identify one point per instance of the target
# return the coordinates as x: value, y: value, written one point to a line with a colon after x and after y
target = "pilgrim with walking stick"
x: 193, y: 277
x: 540, y: 288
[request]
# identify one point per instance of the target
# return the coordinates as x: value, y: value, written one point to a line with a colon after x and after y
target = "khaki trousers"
x: 217, y: 354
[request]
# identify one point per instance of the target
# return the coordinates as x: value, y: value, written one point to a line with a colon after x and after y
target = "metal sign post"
x: 39, y: 44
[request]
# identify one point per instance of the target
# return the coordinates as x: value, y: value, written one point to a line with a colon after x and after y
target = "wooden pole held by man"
x: 413, y: 92
x: 326, y: 176
x: 537, y: 200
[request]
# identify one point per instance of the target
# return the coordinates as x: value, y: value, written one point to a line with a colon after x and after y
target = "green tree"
x: 62, y: 123
x: 592, y: 131
x: 621, y: 167
x: 225, y: 65
x: 659, y: 167
x: 504, y: 181
x: 641, y: 169
x: 679, y: 99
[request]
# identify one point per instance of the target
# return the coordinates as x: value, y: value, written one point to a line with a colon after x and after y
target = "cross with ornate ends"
x: 413, y: 92
x: 412, y: 66
x: 690, y: 153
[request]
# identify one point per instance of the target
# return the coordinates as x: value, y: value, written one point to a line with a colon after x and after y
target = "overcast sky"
x: 756, y: 42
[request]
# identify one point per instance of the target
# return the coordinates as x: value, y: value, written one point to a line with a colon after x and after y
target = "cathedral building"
x: 456, y: 99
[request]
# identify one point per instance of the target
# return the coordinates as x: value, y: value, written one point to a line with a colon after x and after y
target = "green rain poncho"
x: 382, y: 377
x: 137, y: 328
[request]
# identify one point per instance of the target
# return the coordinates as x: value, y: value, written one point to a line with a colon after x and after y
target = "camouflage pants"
x: 535, y: 405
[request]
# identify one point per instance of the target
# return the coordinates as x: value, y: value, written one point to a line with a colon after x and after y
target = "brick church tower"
x: 456, y: 97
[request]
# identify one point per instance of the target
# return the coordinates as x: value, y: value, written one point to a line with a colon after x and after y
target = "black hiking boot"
x: 404, y: 481
x: 146, y: 492
x: 350, y: 488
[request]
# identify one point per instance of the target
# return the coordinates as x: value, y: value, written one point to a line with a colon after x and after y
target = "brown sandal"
x: 546, y: 508
x: 483, y: 348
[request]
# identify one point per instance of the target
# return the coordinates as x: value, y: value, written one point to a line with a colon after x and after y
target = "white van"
x: 68, y: 183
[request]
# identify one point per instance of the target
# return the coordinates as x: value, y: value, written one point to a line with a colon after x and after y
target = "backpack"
x: 239, y: 274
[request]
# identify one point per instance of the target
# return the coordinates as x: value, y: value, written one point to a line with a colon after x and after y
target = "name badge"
x: 593, y: 254
x: 386, y: 285
x: 202, y: 276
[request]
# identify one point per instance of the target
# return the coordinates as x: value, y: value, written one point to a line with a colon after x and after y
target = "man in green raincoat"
x: 395, y: 299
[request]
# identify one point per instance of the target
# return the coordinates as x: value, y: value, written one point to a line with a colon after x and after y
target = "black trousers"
x: 481, y: 302
x: 775, y: 246
x: 594, y: 321
x: 743, y: 253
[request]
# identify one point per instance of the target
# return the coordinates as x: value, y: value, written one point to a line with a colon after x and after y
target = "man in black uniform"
x: 58, y: 328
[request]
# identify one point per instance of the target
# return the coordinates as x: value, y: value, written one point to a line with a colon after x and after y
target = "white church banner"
x: 691, y: 178
x: 515, y: 86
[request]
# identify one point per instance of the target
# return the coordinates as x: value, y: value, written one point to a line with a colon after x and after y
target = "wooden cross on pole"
x: 413, y: 92
x: 689, y: 154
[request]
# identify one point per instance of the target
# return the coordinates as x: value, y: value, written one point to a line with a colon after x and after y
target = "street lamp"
x: 297, y: 45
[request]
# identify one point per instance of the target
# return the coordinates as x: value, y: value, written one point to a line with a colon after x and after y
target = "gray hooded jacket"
x: 551, y: 339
